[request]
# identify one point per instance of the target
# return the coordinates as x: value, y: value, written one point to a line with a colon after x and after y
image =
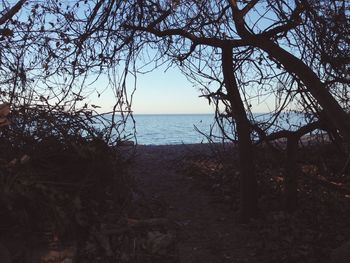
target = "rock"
x: 341, y: 254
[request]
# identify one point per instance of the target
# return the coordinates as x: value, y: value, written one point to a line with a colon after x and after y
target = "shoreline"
x: 165, y: 152
x: 314, y: 138
x: 179, y: 151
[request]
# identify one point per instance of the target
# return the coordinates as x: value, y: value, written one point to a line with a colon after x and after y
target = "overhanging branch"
x: 248, y: 7
x: 213, y: 42
x: 13, y: 10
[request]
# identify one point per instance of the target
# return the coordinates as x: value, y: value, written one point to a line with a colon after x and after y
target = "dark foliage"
x: 58, y: 175
x: 317, y: 226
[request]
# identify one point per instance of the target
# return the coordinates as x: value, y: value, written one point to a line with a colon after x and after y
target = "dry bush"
x: 59, y: 172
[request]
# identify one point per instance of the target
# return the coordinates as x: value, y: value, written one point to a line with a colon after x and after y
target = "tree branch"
x: 291, y: 23
x: 248, y: 7
x: 285, y: 134
x: 238, y: 19
x: 278, y: 29
x: 9, y: 14
x: 160, y: 18
x: 214, y: 42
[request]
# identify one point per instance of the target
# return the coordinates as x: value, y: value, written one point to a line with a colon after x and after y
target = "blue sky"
x: 159, y: 92
x: 169, y: 92
x: 163, y: 92
x: 166, y: 92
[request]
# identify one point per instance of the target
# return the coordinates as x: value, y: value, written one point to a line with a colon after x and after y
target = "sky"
x: 160, y: 92
x: 169, y: 93
x: 166, y: 92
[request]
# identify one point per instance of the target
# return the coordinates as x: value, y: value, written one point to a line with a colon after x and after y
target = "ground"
x: 200, y: 193
x: 178, y: 203
x: 208, y: 231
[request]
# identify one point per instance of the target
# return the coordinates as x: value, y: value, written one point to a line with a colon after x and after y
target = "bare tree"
x: 43, y: 63
x: 182, y: 29
x: 226, y: 42
x: 243, y: 50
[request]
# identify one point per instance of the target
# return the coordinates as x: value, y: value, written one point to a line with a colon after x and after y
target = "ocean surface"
x: 172, y: 128
x: 162, y: 129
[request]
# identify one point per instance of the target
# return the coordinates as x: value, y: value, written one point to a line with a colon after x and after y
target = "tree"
x: 180, y: 29
x: 235, y: 49
x: 42, y: 65
x: 44, y: 80
x: 294, y: 65
x: 183, y: 27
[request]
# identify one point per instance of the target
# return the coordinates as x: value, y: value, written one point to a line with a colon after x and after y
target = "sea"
x: 167, y: 129
x: 160, y: 129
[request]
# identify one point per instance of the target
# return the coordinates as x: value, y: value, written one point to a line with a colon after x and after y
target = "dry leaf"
x: 4, y: 122
x: 4, y: 109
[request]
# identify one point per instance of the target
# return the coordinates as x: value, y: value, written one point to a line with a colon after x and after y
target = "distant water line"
x: 163, y: 129
x: 172, y: 128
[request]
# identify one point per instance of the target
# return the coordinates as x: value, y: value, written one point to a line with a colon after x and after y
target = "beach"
x: 207, y: 231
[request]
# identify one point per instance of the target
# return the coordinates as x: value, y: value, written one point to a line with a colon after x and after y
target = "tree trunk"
x: 249, y: 207
x: 291, y: 174
x: 292, y: 64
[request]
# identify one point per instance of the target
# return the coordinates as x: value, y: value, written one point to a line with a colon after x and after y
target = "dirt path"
x: 208, y: 233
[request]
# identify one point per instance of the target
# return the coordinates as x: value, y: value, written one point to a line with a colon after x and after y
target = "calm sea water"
x: 172, y: 128
x: 180, y: 128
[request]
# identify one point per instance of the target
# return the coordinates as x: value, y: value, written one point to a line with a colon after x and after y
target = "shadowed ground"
x: 207, y: 232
